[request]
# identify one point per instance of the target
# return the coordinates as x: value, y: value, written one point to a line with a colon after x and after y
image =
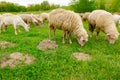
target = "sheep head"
x: 111, y: 38
x: 82, y: 40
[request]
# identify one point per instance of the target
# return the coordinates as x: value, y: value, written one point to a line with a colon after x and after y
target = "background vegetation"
x: 89, y: 5
x: 75, y: 5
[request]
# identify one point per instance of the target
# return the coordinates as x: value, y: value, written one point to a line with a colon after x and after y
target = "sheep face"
x: 82, y: 40
x: 112, y: 38
x: 27, y: 28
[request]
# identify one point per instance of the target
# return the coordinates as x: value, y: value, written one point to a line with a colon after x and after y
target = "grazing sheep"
x: 4, y: 28
x: 81, y: 14
x: 36, y: 16
x: 43, y: 16
x: 116, y: 18
x: 28, y: 18
x: 104, y: 22
x: 91, y: 20
x: 85, y: 16
x: 70, y: 23
x: 15, y: 21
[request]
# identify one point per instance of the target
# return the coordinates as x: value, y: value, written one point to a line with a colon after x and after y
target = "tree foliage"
x: 89, y: 5
x: 10, y: 7
x: 83, y: 5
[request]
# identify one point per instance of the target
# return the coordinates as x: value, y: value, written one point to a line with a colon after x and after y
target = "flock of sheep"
x: 69, y: 22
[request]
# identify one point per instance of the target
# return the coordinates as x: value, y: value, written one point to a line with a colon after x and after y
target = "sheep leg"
x: 91, y: 29
x: 15, y: 29
x: 54, y: 34
x: 19, y: 29
x: 4, y: 27
x: 50, y: 29
x: 0, y: 29
x: 64, y: 34
x: 1, y: 23
x: 98, y: 31
x: 69, y: 35
x: 49, y: 33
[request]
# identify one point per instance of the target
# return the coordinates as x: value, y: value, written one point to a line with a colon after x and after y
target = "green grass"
x: 60, y: 64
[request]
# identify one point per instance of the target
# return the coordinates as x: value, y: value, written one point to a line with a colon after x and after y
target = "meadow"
x: 60, y: 63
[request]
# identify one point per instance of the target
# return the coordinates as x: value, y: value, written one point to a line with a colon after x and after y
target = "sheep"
x: 15, y: 21
x: 36, y: 16
x: 81, y: 14
x: 104, y: 22
x: 6, y: 14
x: 4, y: 28
x: 85, y: 16
x: 91, y: 20
x: 70, y: 23
x: 116, y: 18
x: 28, y: 18
x: 43, y: 16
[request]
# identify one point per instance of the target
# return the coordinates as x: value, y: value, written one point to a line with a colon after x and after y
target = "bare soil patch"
x: 15, y: 59
x: 46, y: 45
x: 82, y: 56
x: 4, y: 44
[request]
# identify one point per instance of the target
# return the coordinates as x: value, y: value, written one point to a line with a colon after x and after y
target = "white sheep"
x: 85, y: 16
x: 28, y: 18
x: 70, y: 23
x: 39, y: 19
x: 43, y: 16
x: 91, y: 20
x: 116, y: 18
x: 104, y: 22
x: 15, y: 21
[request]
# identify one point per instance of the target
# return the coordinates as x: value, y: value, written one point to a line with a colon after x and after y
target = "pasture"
x: 60, y: 63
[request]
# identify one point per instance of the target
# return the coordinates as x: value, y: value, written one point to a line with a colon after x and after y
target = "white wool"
x: 85, y: 16
x: 103, y: 20
x: 14, y: 20
x: 116, y: 18
x: 67, y: 21
x: 28, y: 18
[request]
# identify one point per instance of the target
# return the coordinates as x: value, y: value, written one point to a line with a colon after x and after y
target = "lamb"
x: 116, y: 18
x: 28, y: 18
x: 70, y: 23
x: 15, y: 21
x: 104, y: 22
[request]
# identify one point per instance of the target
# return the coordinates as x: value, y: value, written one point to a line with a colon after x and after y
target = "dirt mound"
x: 16, y: 59
x: 82, y: 56
x: 47, y: 45
x: 4, y: 44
